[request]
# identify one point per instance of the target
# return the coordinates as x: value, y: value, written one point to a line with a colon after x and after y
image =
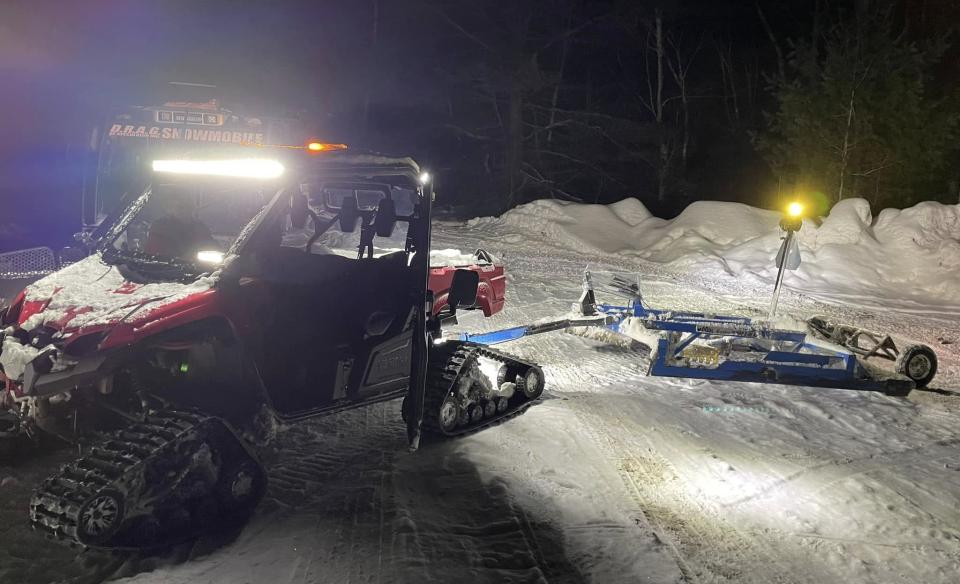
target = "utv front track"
x: 156, y: 482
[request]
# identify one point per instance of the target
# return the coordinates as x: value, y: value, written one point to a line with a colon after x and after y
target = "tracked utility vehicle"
x: 230, y: 295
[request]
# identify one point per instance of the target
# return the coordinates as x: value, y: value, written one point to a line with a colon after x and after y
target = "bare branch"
x: 875, y: 170
x: 571, y: 32
x: 574, y: 113
x: 540, y: 179
x: 781, y: 67
x: 649, y: 102
x: 469, y: 134
x: 592, y: 167
x: 464, y: 31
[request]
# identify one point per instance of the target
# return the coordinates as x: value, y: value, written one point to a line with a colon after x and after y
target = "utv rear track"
x: 445, y: 410
x: 153, y: 483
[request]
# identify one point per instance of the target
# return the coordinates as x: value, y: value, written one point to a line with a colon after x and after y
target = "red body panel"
x: 490, y: 294
x: 140, y: 320
x: 192, y: 308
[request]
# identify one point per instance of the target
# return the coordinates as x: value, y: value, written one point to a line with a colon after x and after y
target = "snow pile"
x: 451, y: 257
x: 588, y: 228
x: 911, y: 255
x: 15, y: 356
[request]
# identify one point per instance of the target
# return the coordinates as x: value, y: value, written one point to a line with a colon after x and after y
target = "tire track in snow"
x: 449, y: 520
x: 826, y: 473
x: 707, y: 547
x: 326, y: 500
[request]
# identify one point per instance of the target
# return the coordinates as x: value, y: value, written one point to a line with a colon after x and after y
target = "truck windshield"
x: 188, y: 224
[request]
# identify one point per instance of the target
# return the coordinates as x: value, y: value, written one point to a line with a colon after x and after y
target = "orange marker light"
x: 324, y: 147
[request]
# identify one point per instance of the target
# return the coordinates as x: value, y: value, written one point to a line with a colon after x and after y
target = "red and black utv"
x: 216, y: 305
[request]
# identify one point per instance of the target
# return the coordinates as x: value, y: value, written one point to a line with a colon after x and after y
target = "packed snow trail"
x: 613, y: 477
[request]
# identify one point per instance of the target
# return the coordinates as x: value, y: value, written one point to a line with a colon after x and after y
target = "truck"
x: 114, y: 154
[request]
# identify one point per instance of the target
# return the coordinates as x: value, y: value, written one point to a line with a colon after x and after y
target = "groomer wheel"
x: 919, y: 363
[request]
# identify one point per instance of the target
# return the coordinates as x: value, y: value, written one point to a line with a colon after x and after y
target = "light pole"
x: 791, y: 223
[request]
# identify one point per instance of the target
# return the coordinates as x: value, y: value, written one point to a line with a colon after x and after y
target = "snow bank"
x: 911, y: 254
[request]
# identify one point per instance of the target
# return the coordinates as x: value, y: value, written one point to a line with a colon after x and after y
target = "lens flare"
x: 794, y: 209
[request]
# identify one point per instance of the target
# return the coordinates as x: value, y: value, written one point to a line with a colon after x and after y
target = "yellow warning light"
x: 324, y: 147
x: 794, y: 209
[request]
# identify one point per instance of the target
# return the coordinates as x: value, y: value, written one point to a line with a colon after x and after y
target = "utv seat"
x: 334, y: 290
x: 292, y: 266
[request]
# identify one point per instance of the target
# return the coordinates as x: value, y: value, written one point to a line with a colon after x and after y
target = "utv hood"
x: 92, y: 296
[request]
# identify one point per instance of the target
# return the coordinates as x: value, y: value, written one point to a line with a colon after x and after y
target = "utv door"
x: 341, y: 330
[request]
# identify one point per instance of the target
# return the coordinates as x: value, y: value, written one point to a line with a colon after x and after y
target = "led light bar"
x: 243, y: 168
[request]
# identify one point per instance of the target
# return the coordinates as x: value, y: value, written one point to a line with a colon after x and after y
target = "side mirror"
x: 349, y: 215
x: 463, y: 289
x: 385, y: 220
x: 299, y: 211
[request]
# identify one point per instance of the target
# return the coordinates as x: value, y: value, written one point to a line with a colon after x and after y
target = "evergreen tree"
x: 858, y: 116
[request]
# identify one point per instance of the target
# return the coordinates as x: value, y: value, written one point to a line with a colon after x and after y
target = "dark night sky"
x: 59, y: 58
x: 63, y: 62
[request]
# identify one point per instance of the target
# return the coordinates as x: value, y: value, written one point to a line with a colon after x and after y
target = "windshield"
x: 188, y: 223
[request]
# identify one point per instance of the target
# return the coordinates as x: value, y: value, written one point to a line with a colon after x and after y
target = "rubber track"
x: 445, y: 366
x: 116, y: 464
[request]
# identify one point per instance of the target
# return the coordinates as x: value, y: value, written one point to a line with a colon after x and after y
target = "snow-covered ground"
x: 615, y: 476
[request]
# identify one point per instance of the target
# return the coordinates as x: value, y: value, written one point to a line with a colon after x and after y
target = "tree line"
x: 595, y: 100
